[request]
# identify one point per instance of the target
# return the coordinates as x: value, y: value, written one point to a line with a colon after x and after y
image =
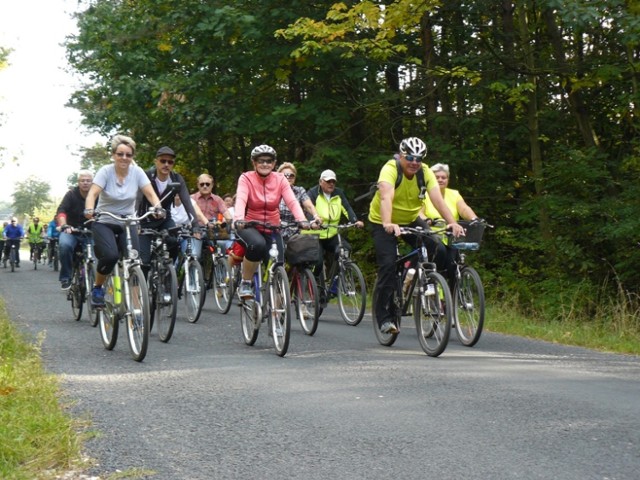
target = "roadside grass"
x: 38, y: 439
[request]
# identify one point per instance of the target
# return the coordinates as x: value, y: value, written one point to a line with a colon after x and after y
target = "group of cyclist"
x: 409, y: 193
x: 39, y: 236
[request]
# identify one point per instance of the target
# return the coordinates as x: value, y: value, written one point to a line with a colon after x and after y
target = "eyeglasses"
x: 205, y: 184
x: 414, y: 158
x: 265, y: 161
x: 290, y: 175
x: 167, y: 161
x: 124, y: 155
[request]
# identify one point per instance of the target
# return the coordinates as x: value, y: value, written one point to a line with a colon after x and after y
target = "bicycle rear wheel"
x: 194, y: 289
x: 55, y: 260
x: 221, y: 280
x: 386, y: 339
x: 352, y: 294
x: 107, y: 319
x: 165, y: 302
x: 432, y: 312
x: 137, y: 314
x: 76, y: 294
x: 250, y: 318
x: 304, y: 295
x: 468, y: 300
x: 280, y: 305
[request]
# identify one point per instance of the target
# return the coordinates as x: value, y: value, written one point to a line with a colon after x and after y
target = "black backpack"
x: 374, y: 185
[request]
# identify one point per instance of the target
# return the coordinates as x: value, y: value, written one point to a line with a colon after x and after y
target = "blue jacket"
x: 13, y: 232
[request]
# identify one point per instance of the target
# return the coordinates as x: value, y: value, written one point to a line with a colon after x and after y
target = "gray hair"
x: 85, y: 173
x: 123, y: 140
x: 440, y: 167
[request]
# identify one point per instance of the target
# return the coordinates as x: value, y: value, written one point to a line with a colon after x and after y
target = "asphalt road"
x: 206, y: 406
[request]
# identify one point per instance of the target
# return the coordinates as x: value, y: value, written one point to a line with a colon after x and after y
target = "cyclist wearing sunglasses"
x: 161, y: 176
x: 258, y: 198
x: 392, y: 208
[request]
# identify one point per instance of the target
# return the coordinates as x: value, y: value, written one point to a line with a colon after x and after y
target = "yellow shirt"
x: 406, y: 202
x: 451, y: 198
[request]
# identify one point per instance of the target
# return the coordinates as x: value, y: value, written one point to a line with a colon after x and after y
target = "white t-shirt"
x: 119, y: 198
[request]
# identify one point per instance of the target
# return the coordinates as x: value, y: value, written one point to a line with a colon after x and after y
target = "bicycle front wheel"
x: 165, y: 301
x: 352, y: 294
x: 221, y: 280
x: 280, y: 314
x: 90, y: 280
x: 468, y: 301
x: 137, y: 314
x: 76, y: 294
x: 194, y: 289
x: 109, y: 323
x: 304, y: 295
x: 432, y: 312
x: 250, y: 318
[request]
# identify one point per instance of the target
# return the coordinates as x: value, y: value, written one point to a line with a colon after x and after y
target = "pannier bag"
x: 302, y: 249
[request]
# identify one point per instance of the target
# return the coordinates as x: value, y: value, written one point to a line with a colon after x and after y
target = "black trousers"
x: 258, y: 244
x: 109, y: 240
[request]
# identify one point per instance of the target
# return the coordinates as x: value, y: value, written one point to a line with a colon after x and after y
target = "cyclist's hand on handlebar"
x: 360, y: 224
x: 89, y: 213
x: 159, y: 212
x: 455, y: 229
x: 392, y: 228
x: 304, y: 225
x: 316, y: 223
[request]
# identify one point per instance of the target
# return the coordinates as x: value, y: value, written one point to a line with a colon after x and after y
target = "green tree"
x: 92, y: 158
x: 30, y: 195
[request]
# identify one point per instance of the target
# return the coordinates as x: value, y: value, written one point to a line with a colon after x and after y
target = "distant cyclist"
x: 392, y: 208
x: 13, y: 233
x: 53, y: 234
x: 35, y: 232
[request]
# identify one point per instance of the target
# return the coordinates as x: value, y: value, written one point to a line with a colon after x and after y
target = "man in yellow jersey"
x: 399, y: 204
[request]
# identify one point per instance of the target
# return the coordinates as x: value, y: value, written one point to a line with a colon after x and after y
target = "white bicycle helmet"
x: 263, y: 150
x: 413, y: 146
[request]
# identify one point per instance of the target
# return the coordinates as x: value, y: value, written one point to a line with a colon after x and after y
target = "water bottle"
x: 273, y: 251
x: 467, y: 245
x: 116, y: 289
x: 333, y: 289
x: 407, y: 280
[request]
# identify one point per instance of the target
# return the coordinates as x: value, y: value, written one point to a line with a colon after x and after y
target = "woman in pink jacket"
x: 258, y: 198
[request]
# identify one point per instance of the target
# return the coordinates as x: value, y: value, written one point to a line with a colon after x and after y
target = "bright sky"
x: 35, y: 126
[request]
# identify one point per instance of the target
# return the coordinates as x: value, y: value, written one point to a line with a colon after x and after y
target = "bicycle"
x: 468, y: 291
x: 126, y: 296
x: 162, y: 283
x: 83, y: 276
x: 37, y: 252
x: 218, y: 275
x: 190, y: 278
x: 13, y: 254
x: 304, y: 288
x: 345, y: 281
x: 52, y: 250
x: 426, y: 292
x: 272, y: 302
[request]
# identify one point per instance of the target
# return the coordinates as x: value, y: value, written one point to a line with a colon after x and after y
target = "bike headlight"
x: 133, y: 254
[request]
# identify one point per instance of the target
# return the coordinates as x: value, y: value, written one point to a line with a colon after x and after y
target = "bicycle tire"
x: 109, y: 323
x: 221, y: 280
x: 352, y: 294
x: 137, y: 313
x: 304, y: 295
x: 469, y: 305
x: 75, y: 294
x: 432, y: 312
x: 13, y: 258
x: 166, y: 302
x: 36, y: 258
x: 386, y: 339
x: 250, y: 318
x: 280, y: 314
x: 194, y: 289
x: 90, y: 280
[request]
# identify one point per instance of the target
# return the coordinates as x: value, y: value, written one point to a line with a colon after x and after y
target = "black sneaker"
x: 65, y: 285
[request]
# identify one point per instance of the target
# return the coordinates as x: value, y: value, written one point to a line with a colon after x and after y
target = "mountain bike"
x: 344, y: 280
x: 426, y: 292
x: 304, y: 288
x: 272, y: 302
x: 126, y: 296
x: 37, y: 253
x: 83, y: 275
x: 190, y: 277
x: 13, y: 254
x: 219, y: 276
x: 162, y: 282
x: 468, y: 291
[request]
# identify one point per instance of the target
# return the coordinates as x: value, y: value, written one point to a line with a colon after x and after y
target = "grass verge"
x: 37, y: 438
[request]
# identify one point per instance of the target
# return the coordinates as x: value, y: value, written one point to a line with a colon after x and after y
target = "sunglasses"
x: 124, y: 155
x: 167, y: 161
x: 265, y: 161
x: 205, y: 184
x: 290, y: 175
x: 414, y: 158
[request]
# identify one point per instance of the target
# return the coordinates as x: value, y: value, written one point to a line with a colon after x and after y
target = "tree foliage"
x: 29, y: 196
x: 534, y: 105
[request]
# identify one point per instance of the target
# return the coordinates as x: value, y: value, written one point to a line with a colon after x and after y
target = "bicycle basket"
x: 302, y: 249
x: 473, y: 233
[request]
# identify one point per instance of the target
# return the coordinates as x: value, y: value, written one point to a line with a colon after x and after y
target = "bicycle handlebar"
x: 129, y: 219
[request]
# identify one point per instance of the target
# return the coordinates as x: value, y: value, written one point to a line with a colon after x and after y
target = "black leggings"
x: 109, y: 240
x: 258, y: 244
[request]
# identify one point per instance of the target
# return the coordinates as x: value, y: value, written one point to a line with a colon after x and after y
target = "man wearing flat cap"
x: 162, y: 176
x: 331, y: 204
